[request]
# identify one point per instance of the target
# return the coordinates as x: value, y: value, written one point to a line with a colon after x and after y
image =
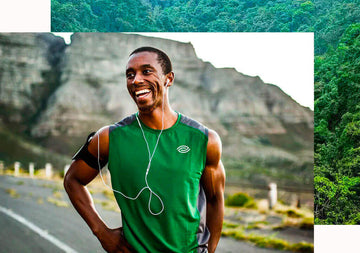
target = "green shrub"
x: 293, y: 213
x: 240, y: 199
x: 269, y: 241
x: 303, y: 247
x: 307, y: 223
x: 229, y: 225
x: 290, y: 212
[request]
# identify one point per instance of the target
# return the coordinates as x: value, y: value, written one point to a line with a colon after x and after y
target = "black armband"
x: 84, y: 154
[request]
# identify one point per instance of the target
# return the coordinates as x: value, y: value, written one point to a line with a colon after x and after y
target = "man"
x: 165, y: 168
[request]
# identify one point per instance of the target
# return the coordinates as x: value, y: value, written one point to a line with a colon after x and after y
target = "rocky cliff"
x: 58, y: 94
x: 29, y: 67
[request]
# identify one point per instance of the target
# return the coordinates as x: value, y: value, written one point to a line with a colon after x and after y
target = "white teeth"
x: 140, y: 92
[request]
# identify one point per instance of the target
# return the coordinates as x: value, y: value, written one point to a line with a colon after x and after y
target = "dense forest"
x: 337, y: 132
x: 327, y: 18
x: 336, y: 25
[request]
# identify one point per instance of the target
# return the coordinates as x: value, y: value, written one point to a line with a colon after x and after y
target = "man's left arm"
x: 213, y: 181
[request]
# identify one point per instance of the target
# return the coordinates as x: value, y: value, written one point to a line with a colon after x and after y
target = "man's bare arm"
x: 75, y: 181
x: 213, y: 181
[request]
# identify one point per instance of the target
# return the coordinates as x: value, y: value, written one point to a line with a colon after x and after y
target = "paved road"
x: 62, y: 223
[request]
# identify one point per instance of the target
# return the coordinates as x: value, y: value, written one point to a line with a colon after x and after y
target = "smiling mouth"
x: 142, y: 93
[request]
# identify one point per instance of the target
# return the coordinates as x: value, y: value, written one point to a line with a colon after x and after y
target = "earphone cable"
x: 148, y: 166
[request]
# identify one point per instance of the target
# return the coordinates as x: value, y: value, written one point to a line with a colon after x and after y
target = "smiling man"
x: 165, y: 169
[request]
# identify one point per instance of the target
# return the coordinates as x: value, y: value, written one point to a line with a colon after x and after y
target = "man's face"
x: 145, y: 80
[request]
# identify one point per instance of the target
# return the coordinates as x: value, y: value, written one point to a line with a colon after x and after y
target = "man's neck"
x: 153, y: 119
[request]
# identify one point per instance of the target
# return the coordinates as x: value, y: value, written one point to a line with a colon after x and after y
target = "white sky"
x: 283, y: 59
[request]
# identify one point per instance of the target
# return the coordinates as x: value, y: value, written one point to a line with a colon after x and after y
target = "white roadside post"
x: 16, y: 169
x: 48, y: 170
x: 31, y: 169
x: 272, y: 195
x: 1, y: 167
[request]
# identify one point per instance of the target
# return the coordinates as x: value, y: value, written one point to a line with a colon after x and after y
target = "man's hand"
x: 113, y: 241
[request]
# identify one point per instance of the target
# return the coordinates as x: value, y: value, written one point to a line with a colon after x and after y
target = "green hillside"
x: 337, y: 132
x: 17, y: 147
x: 327, y: 18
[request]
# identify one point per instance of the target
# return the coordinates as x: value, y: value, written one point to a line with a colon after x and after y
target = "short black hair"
x: 163, y: 59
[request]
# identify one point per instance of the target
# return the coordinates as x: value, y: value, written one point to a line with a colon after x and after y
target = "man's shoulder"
x: 212, y: 135
x: 185, y: 120
x: 122, y: 123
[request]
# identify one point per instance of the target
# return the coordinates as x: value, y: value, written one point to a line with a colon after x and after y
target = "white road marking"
x: 38, y: 230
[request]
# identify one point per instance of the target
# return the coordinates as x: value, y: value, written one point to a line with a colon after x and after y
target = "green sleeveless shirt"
x: 174, y: 176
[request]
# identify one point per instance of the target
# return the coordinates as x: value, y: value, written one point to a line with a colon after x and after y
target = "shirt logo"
x: 183, y: 149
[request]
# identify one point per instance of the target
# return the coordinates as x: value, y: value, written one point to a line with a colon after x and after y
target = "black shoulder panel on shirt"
x: 84, y: 154
x: 124, y: 122
x: 193, y: 123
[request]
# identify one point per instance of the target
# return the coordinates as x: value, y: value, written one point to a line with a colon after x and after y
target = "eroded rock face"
x: 71, y: 92
x: 28, y: 75
x: 93, y: 89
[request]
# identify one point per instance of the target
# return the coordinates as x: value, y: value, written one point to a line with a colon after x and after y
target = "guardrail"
x: 49, y: 171
x: 271, y: 188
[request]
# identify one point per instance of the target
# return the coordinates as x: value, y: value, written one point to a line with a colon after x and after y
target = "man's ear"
x: 169, y: 79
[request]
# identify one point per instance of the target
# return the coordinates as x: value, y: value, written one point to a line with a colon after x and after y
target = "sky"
x: 283, y: 59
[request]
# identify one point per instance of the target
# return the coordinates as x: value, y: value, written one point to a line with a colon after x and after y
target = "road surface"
x: 30, y: 223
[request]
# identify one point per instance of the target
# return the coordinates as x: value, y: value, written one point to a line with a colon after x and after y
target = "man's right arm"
x: 75, y: 181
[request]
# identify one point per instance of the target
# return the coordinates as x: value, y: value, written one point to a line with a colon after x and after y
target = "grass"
x: 109, y: 205
x: 244, y: 224
x: 20, y: 183
x: 227, y: 224
x: 269, y: 241
x: 291, y: 212
x: 240, y: 199
x: 108, y: 194
x: 57, y: 202
x: 57, y: 194
x: 97, y: 186
x: 307, y: 223
x: 55, y: 187
x: 9, y: 172
x: 238, y: 231
x: 295, y: 217
x: 302, y: 222
x: 13, y: 193
x: 257, y: 225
